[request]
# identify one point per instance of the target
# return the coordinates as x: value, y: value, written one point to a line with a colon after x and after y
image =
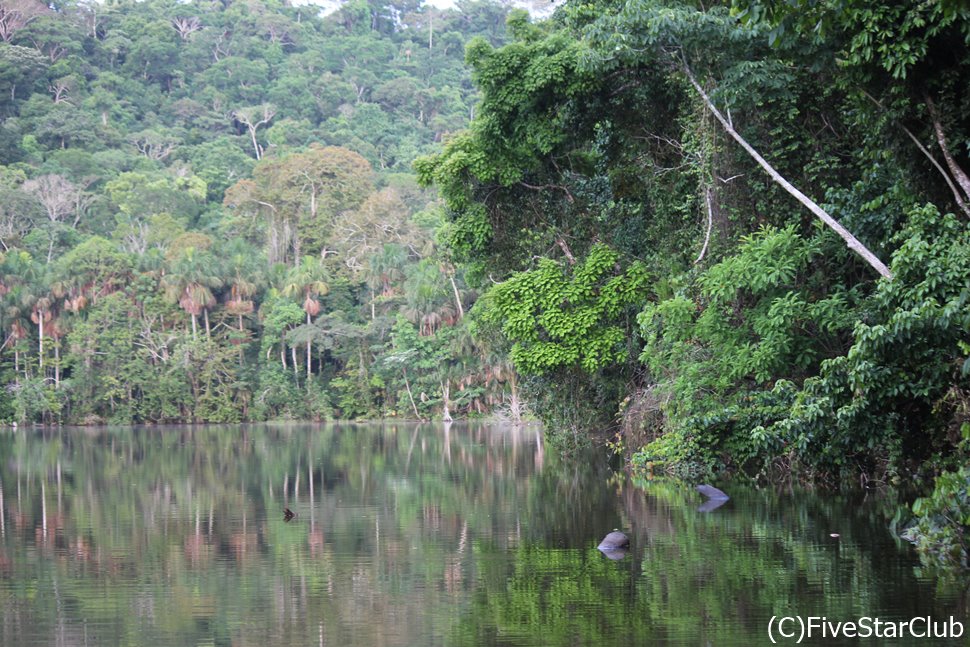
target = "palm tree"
x: 385, y: 268
x: 12, y: 318
x: 309, y: 279
x: 41, y: 313
x: 30, y: 294
x: 428, y: 301
x: 191, y: 277
x: 241, y: 261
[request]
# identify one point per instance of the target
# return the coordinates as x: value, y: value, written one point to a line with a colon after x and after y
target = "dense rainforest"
x: 733, y: 233
x: 738, y: 230
x: 209, y: 212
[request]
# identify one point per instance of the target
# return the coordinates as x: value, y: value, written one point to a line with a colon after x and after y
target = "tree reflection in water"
x: 407, y: 534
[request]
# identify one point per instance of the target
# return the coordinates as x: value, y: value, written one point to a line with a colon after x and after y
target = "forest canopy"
x: 209, y: 212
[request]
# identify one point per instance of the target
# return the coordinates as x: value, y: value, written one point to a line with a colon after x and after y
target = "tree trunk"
x: 461, y: 311
x: 241, y: 333
x: 710, y: 224
x: 57, y: 363
x: 309, y: 345
x: 514, y: 405
x: 957, y: 197
x: 194, y: 328
x: 252, y: 134
x: 407, y: 385
x: 40, y: 341
x: 445, y: 395
x: 851, y: 241
x: 205, y: 315
x: 958, y: 173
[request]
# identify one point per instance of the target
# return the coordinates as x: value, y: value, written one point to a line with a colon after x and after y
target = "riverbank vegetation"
x: 784, y: 189
x: 783, y: 196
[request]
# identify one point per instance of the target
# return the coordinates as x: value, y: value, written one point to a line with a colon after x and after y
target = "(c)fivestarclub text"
x: 798, y: 628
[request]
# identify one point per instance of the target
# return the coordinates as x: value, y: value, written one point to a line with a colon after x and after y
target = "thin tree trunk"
x: 565, y: 250
x: 407, y: 385
x: 241, y: 333
x: 252, y: 134
x: 461, y: 311
x: 514, y: 405
x: 445, y: 395
x: 40, y: 342
x: 851, y: 241
x: 283, y: 356
x: 958, y: 173
x: 308, y: 350
x: 194, y: 329
x: 957, y: 197
x: 57, y: 363
x: 205, y: 315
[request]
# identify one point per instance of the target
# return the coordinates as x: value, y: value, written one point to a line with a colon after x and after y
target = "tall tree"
x: 192, y: 275
x: 309, y: 280
x: 252, y: 118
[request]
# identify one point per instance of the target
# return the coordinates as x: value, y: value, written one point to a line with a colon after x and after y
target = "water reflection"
x: 409, y: 534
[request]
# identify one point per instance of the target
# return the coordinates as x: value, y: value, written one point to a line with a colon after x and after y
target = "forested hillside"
x: 208, y: 212
x: 740, y: 226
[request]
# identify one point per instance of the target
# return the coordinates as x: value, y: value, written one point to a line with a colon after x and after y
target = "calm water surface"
x: 417, y: 535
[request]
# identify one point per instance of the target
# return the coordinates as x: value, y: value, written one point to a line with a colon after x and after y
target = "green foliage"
x: 893, y: 36
x: 34, y: 400
x: 941, y: 530
x: 755, y: 321
x: 561, y: 319
x: 859, y: 412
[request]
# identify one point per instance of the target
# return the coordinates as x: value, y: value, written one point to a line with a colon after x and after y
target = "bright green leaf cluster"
x: 559, y: 318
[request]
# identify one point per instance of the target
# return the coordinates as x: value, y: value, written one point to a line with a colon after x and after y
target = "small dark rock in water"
x: 288, y: 515
x: 614, y: 541
x: 712, y: 492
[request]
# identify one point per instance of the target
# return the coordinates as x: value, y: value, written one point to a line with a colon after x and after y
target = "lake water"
x: 409, y: 535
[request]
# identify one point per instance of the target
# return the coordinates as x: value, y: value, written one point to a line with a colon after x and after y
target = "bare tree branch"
x: 958, y: 173
x: 946, y: 176
x: 851, y: 241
